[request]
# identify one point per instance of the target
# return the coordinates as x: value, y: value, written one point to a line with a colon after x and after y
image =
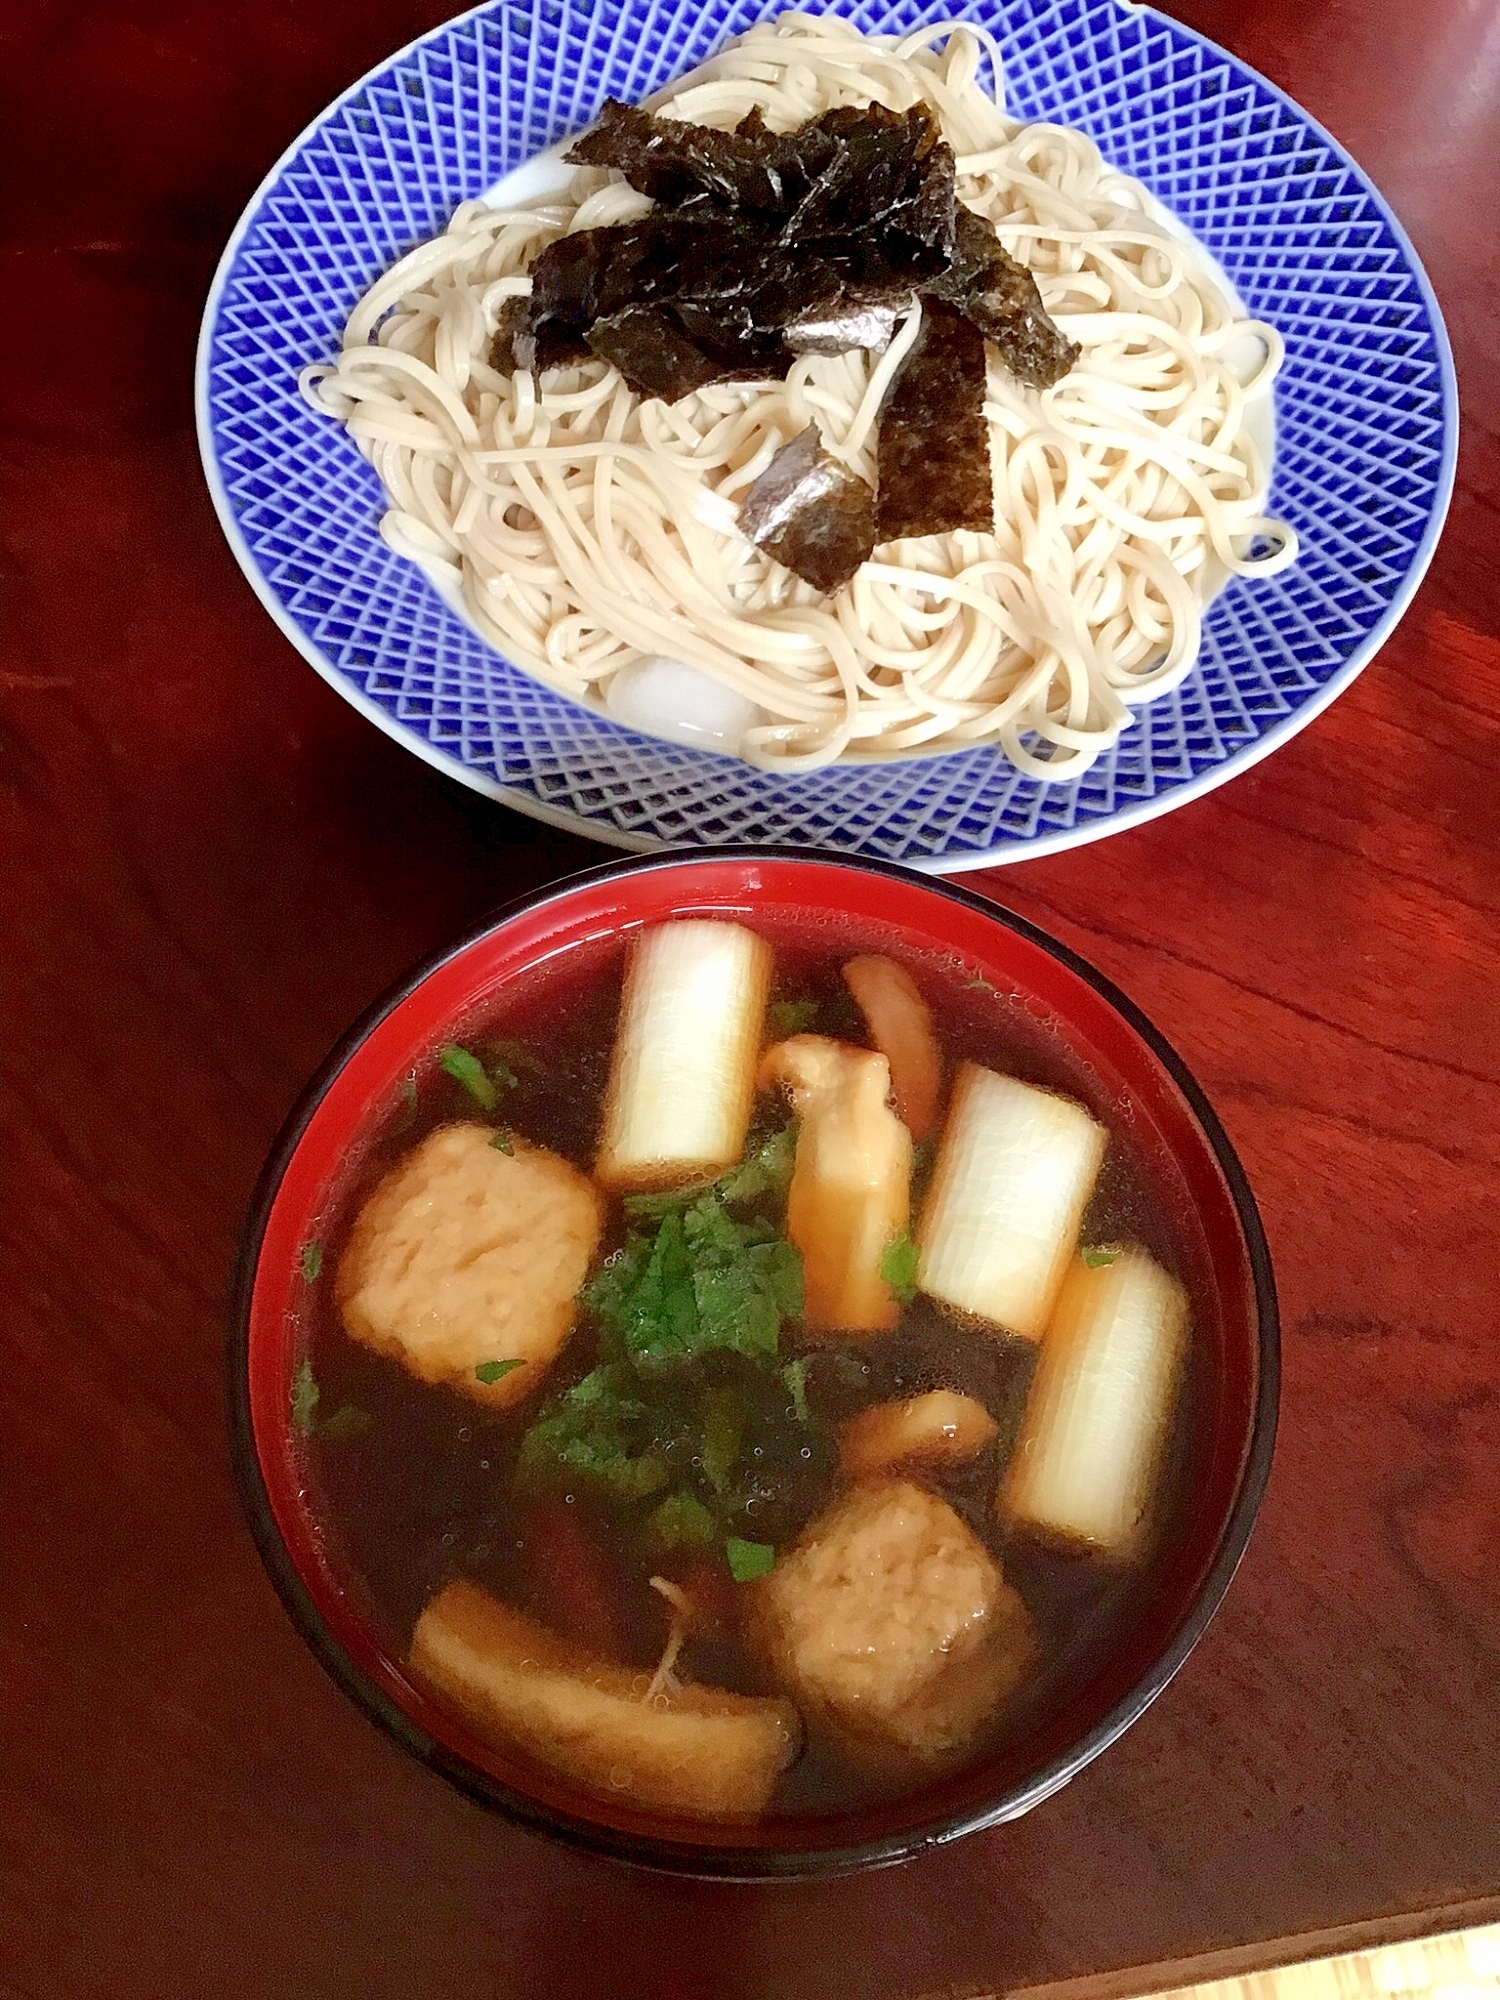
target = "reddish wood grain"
x: 208, y: 865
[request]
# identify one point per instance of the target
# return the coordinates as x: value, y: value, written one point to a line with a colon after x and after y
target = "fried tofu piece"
x: 465, y: 1255
x: 940, y: 1428
x: 850, y: 1196
x: 699, y: 1751
x: 891, y: 1623
x: 900, y: 1025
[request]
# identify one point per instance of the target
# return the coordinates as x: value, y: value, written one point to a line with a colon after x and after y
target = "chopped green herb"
x: 348, y: 1421
x: 704, y: 1283
x: 768, y: 1170
x: 501, y: 1142
x: 503, y: 1076
x: 793, y: 1017
x: 795, y: 1377
x: 467, y: 1069
x: 408, y: 1115
x: 312, y: 1260
x: 599, y: 1430
x: 898, y: 1267
x: 1095, y: 1257
x: 492, y: 1371
x: 652, y: 1207
x: 304, y: 1399
x: 748, y: 1560
x: 682, y: 1521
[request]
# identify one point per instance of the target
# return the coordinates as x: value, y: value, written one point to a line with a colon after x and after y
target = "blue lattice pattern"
x: 1365, y: 415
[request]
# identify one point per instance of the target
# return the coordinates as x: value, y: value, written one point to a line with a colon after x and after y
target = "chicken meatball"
x: 466, y: 1255
x: 891, y: 1623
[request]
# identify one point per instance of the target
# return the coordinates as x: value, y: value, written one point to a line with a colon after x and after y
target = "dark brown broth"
x: 423, y: 1494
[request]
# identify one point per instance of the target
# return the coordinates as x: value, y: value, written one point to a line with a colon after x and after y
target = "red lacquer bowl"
x: 1177, y: 1137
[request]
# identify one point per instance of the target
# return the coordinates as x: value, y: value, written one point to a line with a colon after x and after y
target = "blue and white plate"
x: 1366, y: 413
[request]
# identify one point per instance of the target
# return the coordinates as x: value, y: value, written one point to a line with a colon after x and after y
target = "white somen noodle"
x: 587, y: 529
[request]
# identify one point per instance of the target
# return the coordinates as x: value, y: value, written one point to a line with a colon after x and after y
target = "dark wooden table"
x: 208, y: 865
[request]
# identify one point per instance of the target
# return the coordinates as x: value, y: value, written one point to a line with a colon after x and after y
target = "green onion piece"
x: 793, y: 1017
x: 898, y: 1267
x: 312, y: 1260
x: 682, y: 1521
x: 501, y: 1142
x: 348, y: 1421
x: 748, y: 1560
x: 468, y: 1070
x: 304, y: 1399
x: 1095, y: 1257
x: 492, y: 1371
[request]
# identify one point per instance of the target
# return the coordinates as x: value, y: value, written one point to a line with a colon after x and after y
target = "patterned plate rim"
x: 1014, y: 849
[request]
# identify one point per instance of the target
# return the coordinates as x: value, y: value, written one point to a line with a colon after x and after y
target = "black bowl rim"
x: 688, y: 1858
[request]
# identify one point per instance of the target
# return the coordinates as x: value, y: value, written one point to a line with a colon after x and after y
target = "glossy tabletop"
x: 209, y: 865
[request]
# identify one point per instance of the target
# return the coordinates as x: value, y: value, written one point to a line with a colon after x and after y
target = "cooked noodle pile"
x: 586, y: 529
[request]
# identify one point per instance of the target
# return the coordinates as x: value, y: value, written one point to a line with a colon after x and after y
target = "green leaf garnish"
x: 304, y: 1399
x: 501, y: 1142
x: 768, y: 1170
x: 312, y: 1260
x: 348, y: 1421
x: 682, y: 1521
x: 703, y: 1283
x: 748, y: 1560
x: 1095, y: 1257
x: 898, y: 1267
x: 599, y: 1430
x: 793, y: 1017
x: 467, y: 1069
x: 492, y: 1371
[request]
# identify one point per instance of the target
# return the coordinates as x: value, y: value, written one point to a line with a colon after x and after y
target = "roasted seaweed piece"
x: 654, y: 354
x: 1000, y: 296
x: 848, y: 316
x: 680, y: 165
x: 934, y: 442
x: 811, y: 513
x: 521, y: 341
x: 876, y: 173
x: 849, y: 173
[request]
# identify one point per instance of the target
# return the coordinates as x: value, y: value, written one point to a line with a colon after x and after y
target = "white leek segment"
x: 939, y: 1428
x: 851, y: 1181
x: 1014, y: 1174
x: 900, y: 1025
x: 683, y: 1075
x: 1100, y: 1408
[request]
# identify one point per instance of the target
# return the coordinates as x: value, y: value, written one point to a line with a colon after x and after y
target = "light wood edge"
x: 1179, y: 1976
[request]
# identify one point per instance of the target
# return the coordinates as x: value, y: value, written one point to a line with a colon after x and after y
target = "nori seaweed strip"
x: 654, y: 354
x: 1000, y: 296
x: 680, y: 164
x: 846, y: 174
x: 934, y: 447
x: 811, y: 513
x: 848, y: 317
